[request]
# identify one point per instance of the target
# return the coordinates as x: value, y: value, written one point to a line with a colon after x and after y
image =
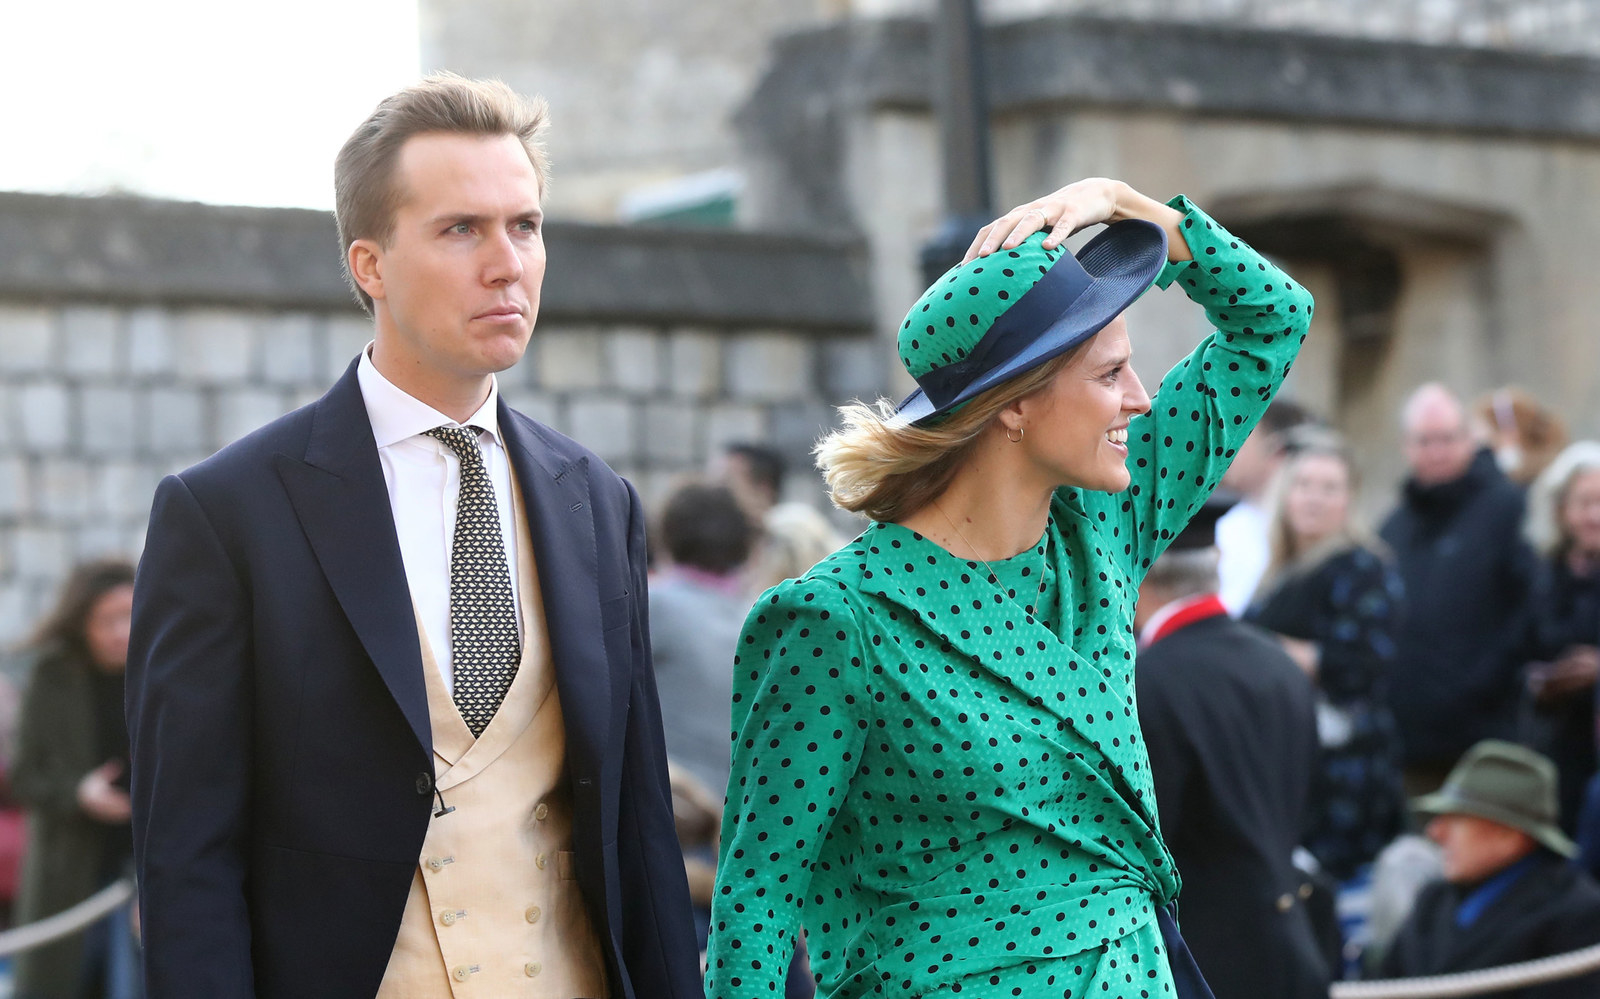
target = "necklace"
x: 994, y: 577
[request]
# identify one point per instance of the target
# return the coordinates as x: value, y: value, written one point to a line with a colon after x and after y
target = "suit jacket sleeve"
x: 189, y: 724
x: 661, y: 953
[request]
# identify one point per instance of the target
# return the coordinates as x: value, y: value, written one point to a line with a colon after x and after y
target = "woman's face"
x: 1316, y: 499
x: 105, y: 631
x: 1580, y: 512
x: 1076, y: 429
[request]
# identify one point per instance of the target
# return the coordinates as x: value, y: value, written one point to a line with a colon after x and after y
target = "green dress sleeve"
x: 1209, y: 402
x: 799, y: 725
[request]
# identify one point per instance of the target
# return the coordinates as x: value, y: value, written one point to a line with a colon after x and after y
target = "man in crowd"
x: 1230, y: 726
x: 393, y: 717
x: 1510, y: 893
x: 1242, y: 531
x: 1457, y: 538
x: 697, y: 609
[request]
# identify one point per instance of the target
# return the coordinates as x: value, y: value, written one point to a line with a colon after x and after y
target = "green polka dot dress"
x: 939, y: 773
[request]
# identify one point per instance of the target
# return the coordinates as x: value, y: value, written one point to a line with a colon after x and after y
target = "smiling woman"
x: 936, y: 757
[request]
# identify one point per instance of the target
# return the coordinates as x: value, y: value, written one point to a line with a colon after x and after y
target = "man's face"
x: 458, y: 284
x: 1476, y: 849
x: 1438, y: 446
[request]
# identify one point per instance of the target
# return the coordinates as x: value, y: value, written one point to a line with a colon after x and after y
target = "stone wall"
x: 1470, y: 170
x: 137, y: 337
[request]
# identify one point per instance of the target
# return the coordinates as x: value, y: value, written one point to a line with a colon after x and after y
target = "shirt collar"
x: 396, y: 415
x: 1179, y: 614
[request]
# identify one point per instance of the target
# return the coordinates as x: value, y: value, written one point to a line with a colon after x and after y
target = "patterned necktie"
x: 484, y: 648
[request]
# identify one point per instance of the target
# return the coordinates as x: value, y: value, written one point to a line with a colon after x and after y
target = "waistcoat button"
x: 542, y: 812
x: 539, y: 861
x: 533, y: 968
x: 533, y: 913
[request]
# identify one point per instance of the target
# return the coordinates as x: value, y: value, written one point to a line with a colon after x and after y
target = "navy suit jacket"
x: 282, y: 753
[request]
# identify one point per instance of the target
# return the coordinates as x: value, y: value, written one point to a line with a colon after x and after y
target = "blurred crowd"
x: 1436, y: 787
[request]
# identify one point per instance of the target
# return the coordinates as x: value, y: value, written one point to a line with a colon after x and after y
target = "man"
x: 394, y: 723
x: 1457, y: 539
x: 1510, y: 893
x: 1230, y: 726
x: 1242, y: 531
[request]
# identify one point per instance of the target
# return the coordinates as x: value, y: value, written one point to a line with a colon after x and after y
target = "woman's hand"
x: 101, y: 799
x: 1077, y: 206
x: 1573, y: 672
x: 1306, y: 654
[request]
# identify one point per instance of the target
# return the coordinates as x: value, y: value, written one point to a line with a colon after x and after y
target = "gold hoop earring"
x: 1017, y: 439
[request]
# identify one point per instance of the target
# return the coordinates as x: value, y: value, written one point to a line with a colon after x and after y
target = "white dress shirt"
x: 424, y: 477
x: 1246, y: 550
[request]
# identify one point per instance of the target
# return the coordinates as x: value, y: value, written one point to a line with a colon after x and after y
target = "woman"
x: 71, y: 772
x: 936, y: 756
x: 1334, y: 599
x: 1563, y: 616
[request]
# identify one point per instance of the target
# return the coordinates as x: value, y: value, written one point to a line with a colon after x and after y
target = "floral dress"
x: 939, y: 772
x: 1350, y: 604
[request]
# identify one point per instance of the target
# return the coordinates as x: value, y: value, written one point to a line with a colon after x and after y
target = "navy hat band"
x: 1013, y: 332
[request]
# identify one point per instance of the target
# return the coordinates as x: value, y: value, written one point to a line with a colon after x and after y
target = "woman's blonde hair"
x: 1288, y: 557
x: 888, y: 469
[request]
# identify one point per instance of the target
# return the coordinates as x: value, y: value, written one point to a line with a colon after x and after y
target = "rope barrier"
x: 1475, y: 983
x: 67, y: 921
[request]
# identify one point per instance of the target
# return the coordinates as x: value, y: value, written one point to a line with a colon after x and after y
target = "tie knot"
x: 462, y: 440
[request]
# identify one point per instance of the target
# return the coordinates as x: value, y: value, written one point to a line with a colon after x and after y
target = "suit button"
x: 533, y: 913
x: 533, y: 968
x: 448, y: 918
x: 542, y: 812
x: 462, y: 973
x: 424, y: 783
x: 1285, y: 902
x: 539, y: 861
x: 435, y: 864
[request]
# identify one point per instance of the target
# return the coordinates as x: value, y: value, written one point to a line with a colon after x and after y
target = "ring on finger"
x: 1039, y: 212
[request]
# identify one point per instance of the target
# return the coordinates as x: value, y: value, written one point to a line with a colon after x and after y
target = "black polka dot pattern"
x: 939, y: 772
x: 484, y: 647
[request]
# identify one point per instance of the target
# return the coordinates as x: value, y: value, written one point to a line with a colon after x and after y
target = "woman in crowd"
x: 1334, y: 599
x: 1563, y: 617
x: 1525, y: 436
x: 936, y: 756
x: 71, y: 772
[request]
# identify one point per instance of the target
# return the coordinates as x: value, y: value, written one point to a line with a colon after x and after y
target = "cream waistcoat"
x: 494, y: 909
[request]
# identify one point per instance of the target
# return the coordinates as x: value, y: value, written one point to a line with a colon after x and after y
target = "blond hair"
x: 1287, y: 557
x: 888, y: 469
x: 365, y: 193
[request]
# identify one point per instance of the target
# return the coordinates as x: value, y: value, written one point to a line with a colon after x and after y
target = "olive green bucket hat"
x: 993, y: 318
x: 1505, y: 783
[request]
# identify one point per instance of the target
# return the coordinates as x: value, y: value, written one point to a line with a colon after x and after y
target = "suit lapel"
x: 339, y: 496
x: 555, y: 493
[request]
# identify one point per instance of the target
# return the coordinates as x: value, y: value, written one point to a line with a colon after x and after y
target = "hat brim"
x: 1546, y: 834
x: 1123, y: 261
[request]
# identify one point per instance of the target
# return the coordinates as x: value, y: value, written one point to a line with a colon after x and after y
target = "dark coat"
x: 282, y: 760
x: 1564, y: 611
x: 1350, y: 604
x: 1230, y: 726
x: 1467, y: 572
x: 57, y: 744
x: 1552, y: 909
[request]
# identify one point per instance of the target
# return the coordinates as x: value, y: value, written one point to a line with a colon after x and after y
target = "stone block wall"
x: 112, y: 382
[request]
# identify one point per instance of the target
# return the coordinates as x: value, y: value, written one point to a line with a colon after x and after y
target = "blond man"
x: 394, y: 723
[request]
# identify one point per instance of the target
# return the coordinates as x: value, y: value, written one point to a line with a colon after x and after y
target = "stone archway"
x: 1406, y: 290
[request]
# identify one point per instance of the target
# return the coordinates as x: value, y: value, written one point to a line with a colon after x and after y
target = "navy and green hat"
x: 993, y: 318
